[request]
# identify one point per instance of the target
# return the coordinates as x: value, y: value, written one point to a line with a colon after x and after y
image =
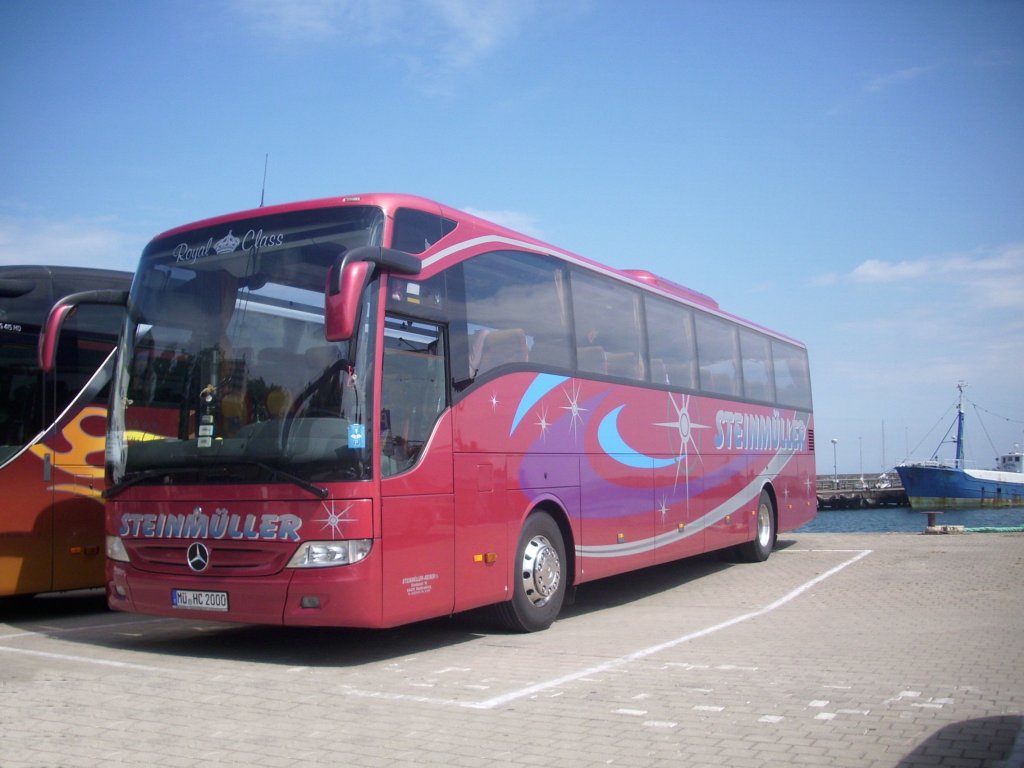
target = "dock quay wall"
x: 860, y: 492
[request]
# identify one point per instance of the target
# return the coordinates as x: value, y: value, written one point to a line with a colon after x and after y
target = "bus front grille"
x: 226, y: 558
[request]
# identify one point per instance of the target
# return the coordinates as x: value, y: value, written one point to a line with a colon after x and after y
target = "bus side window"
x: 609, y: 340
x: 671, y: 341
x: 90, y: 335
x: 792, y: 375
x: 755, y: 351
x: 498, y: 347
x: 515, y: 311
x: 416, y: 230
x: 718, y: 353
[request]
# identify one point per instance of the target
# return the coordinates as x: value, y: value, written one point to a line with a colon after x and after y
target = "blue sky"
x: 848, y: 173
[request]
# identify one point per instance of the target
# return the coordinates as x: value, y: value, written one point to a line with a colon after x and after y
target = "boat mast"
x: 960, y: 426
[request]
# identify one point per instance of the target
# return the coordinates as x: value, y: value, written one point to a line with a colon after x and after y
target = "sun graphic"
x: 334, y: 520
x: 685, y: 427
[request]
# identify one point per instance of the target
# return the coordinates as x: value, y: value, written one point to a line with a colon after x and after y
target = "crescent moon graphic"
x: 615, y: 446
x: 540, y: 386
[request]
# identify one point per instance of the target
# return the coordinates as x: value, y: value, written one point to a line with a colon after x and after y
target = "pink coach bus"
x: 365, y: 411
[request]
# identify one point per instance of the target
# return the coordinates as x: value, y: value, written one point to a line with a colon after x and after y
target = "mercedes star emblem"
x: 198, y: 556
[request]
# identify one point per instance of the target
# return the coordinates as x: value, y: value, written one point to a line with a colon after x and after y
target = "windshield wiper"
x: 149, y: 474
x: 294, y: 479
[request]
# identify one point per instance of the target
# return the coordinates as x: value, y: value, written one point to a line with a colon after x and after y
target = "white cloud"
x: 74, y: 242
x: 900, y: 77
x: 880, y: 85
x: 892, y: 338
x: 993, y: 278
x: 825, y: 280
x: 474, y: 28
x: 452, y: 34
x: 306, y: 20
x: 875, y: 271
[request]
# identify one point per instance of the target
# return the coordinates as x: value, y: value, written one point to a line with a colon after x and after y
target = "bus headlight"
x: 116, y: 550
x: 323, y: 554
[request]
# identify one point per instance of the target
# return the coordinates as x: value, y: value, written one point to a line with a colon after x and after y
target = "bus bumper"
x: 342, y: 596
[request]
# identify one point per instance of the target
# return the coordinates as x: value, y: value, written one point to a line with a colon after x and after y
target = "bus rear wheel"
x: 757, y: 551
x: 539, y: 581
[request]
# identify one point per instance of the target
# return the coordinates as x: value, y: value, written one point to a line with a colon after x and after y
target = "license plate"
x: 197, y: 600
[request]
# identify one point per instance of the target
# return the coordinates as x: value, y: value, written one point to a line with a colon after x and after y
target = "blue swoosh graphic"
x: 613, y: 444
x: 539, y: 387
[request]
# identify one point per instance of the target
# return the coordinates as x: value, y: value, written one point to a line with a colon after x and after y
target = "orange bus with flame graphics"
x: 52, y: 430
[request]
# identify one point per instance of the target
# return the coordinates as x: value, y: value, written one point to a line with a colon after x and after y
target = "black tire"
x: 758, y: 550
x: 540, y: 578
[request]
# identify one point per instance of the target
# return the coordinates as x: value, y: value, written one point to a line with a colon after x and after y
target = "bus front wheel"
x: 539, y: 580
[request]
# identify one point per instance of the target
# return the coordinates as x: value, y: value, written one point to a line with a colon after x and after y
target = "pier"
x: 860, y: 492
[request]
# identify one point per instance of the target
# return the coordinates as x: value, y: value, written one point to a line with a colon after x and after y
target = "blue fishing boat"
x: 949, y: 484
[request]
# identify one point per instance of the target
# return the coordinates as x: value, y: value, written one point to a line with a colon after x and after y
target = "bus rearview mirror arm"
x: 61, y: 311
x: 347, y: 278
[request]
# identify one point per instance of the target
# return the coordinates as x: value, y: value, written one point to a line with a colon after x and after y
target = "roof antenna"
x: 263, y: 190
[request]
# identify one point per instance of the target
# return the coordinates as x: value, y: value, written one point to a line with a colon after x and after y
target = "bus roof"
x: 471, y: 227
x: 50, y: 270
x: 18, y: 280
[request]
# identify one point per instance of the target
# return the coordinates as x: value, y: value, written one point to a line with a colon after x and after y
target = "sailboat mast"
x: 960, y: 426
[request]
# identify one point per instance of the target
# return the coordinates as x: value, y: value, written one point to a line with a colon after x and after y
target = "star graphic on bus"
x: 543, y: 423
x: 663, y: 508
x: 574, y: 409
x: 494, y: 402
x: 685, y: 427
x: 334, y: 519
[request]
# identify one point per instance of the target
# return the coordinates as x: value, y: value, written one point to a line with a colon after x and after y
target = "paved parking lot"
x: 841, y: 650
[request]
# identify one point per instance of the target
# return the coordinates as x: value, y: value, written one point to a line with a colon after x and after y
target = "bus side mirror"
x: 346, y: 280
x: 61, y: 311
x: 345, y: 284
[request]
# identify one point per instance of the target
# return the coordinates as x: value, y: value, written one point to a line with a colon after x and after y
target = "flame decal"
x: 82, y: 444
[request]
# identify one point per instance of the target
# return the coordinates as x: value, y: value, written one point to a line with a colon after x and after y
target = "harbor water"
x: 893, y: 519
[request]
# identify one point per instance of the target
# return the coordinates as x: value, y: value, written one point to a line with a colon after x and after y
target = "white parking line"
x: 557, y: 682
x: 496, y: 701
x: 82, y: 659
x: 54, y: 631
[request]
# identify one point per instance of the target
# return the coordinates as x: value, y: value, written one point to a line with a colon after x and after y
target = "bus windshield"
x: 21, y: 415
x: 224, y: 373
x: 27, y: 408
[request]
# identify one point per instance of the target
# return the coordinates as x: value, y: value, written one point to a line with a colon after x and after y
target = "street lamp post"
x: 835, y: 463
x: 860, y: 448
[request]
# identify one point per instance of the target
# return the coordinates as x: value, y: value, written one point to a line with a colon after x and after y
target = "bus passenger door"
x: 76, y: 454
x: 417, y: 513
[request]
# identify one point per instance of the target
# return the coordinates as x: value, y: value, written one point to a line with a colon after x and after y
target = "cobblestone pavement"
x: 841, y: 650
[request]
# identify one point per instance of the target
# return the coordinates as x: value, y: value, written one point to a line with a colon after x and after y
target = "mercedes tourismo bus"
x: 369, y: 410
x: 52, y: 427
